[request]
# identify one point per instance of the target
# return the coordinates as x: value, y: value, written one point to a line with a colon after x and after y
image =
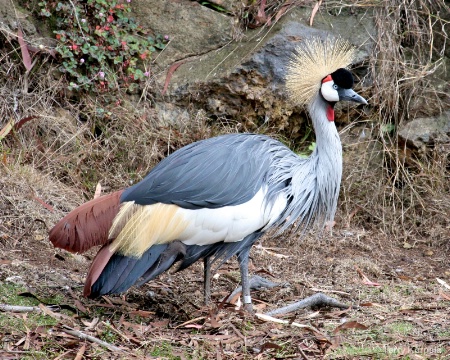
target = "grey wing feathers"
x: 212, y: 173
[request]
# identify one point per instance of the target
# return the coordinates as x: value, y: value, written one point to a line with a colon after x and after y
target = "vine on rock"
x: 102, y: 47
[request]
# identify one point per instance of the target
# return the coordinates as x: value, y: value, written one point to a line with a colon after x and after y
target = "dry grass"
x: 400, y: 192
x: 81, y: 140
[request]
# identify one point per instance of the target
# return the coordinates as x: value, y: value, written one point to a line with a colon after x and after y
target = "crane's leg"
x: 207, y: 279
x: 243, y: 257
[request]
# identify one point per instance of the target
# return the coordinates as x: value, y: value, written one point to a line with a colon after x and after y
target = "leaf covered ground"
x: 398, y: 293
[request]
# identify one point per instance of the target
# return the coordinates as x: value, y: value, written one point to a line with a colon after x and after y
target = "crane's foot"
x: 256, y: 282
x: 316, y: 300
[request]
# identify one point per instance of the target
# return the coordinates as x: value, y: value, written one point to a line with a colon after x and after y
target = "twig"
x: 443, y: 283
x: 318, y: 299
x: 266, y: 317
x: 90, y: 338
x: 63, y: 355
x: 190, y: 322
x: 302, y: 353
x: 17, y: 308
x: 330, y: 291
x: 75, y: 13
x: 123, y: 336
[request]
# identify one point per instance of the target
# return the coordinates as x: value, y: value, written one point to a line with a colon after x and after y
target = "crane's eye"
x: 335, y: 87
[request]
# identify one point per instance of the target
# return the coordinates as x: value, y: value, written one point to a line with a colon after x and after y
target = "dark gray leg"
x: 207, y: 279
x: 243, y: 265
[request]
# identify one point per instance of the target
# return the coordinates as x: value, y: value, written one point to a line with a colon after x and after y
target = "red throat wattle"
x: 330, y: 112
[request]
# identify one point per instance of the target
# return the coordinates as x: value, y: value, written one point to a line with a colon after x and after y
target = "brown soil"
x: 166, y: 318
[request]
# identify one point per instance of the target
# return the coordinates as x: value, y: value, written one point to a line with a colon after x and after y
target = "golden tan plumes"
x: 137, y: 227
x: 313, y: 60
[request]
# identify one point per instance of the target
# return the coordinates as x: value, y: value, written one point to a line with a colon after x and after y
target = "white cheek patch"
x: 328, y: 92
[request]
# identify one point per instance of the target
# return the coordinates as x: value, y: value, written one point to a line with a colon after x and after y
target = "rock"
x: 12, y: 16
x: 231, y: 6
x: 193, y: 29
x: 426, y: 132
x: 433, y: 95
x: 245, y: 79
x: 170, y: 114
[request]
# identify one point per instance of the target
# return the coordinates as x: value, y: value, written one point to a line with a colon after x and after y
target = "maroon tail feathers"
x: 96, y: 269
x: 88, y: 225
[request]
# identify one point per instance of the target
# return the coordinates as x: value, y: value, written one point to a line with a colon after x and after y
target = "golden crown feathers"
x: 314, y: 59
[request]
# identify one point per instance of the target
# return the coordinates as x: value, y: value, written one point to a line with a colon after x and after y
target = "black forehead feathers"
x: 343, y: 78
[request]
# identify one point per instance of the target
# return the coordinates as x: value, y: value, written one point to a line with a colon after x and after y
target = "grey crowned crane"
x: 214, y: 198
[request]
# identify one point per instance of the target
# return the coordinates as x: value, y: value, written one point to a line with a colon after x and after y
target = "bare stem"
x: 90, y: 338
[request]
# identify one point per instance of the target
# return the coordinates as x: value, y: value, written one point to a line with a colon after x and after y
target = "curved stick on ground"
x: 83, y: 336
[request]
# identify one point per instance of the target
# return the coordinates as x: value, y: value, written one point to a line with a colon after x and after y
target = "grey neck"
x: 328, y: 154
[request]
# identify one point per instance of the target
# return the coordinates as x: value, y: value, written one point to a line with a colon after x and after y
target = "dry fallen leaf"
x: 314, y: 11
x: 170, y: 72
x: 90, y: 325
x: 365, y: 279
x: 98, y: 191
x: 350, y: 325
x: 269, y: 345
x: 80, y: 353
x: 443, y: 283
x: 444, y: 295
x: 372, y: 304
x: 268, y: 318
x: 26, y: 58
x: 194, y: 326
x: 44, y: 204
x: 142, y: 313
x: 186, y: 323
x: 6, y: 129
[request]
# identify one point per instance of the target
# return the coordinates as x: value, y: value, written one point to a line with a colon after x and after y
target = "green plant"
x: 102, y: 48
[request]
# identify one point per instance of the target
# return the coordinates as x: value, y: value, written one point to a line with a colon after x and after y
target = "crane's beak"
x: 350, y: 95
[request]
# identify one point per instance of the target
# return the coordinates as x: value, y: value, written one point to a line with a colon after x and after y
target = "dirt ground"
x: 397, y: 287
x: 399, y: 293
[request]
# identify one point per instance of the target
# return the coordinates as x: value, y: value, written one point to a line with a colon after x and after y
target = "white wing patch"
x: 146, y: 225
x: 229, y: 223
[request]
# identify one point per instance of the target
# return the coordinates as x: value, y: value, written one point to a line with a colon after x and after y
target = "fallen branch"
x: 318, y: 299
x: 123, y: 336
x: 90, y: 338
x: 266, y: 317
x: 443, y: 283
x: 17, y: 308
